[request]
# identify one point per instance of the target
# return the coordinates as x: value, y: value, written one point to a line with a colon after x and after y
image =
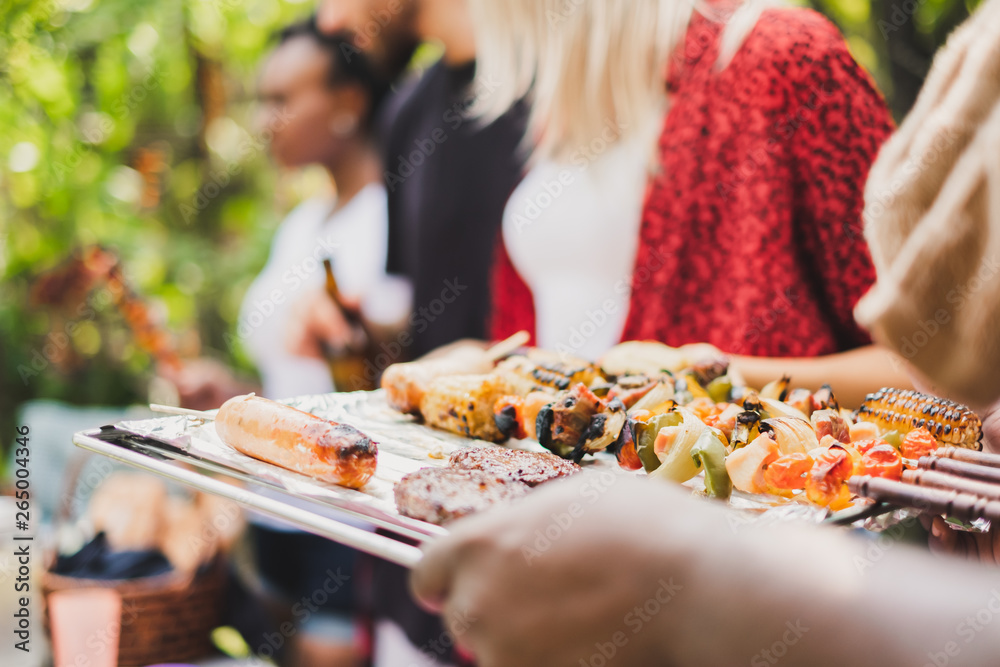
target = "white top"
x: 572, y: 231
x: 355, y: 237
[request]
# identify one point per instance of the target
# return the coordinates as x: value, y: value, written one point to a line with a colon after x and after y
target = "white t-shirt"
x: 355, y: 238
x: 572, y: 232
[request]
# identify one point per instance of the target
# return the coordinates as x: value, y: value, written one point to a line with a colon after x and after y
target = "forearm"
x: 827, y: 598
x: 852, y: 374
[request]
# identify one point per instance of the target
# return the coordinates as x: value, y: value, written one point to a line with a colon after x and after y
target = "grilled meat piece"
x: 440, y: 495
x: 532, y: 468
x: 561, y: 426
x: 463, y: 404
x: 405, y: 384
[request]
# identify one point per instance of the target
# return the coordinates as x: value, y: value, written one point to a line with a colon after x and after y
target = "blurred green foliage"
x: 129, y: 123
x: 123, y: 122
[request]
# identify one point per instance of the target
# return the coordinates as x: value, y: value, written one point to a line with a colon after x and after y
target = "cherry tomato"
x: 702, y: 407
x: 787, y: 473
x: 864, y: 445
x: 917, y: 443
x: 826, y: 480
x: 883, y: 461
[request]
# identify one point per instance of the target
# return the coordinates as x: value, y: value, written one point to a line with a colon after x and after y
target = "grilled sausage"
x: 296, y: 440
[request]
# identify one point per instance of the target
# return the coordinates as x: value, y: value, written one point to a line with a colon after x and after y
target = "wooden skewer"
x: 960, y: 468
x: 938, y: 480
x: 508, y: 345
x: 171, y: 410
x: 964, y: 506
x: 969, y: 456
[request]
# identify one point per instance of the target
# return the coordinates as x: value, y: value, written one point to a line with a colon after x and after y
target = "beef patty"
x: 532, y: 468
x: 440, y: 495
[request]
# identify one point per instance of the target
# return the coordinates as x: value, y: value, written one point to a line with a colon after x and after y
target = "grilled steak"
x: 532, y: 468
x: 440, y: 495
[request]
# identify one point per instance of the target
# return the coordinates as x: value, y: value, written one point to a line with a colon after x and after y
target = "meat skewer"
x: 406, y: 383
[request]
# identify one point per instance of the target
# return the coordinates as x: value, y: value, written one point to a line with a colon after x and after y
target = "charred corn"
x: 463, y: 404
x: 898, y: 410
x: 521, y: 370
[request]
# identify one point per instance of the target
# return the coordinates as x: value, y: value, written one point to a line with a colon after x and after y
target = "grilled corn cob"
x: 898, y: 410
x: 546, y: 373
x: 463, y: 404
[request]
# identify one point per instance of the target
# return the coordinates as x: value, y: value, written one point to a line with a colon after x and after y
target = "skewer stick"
x: 960, y: 468
x: 969, y: 456
x: 171, y: 410
x: 938, y: 480
x: 964, y: 506
x: 508, y: 345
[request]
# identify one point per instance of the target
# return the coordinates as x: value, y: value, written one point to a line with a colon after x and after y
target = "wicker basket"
x: 166, y: 618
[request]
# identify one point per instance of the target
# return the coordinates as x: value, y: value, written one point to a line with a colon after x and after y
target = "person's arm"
x: 585, y: 570
x: 853, y: 374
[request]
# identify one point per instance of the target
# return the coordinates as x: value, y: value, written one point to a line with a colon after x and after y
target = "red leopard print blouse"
x: 751, y: 236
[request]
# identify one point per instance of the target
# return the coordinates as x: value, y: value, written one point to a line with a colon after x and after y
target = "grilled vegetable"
x: 625, y: 450
x: 604, y: 429
x: 775, y: 408
x: 708, y: 370
x: 631, y: 388
x: 824, y: 399
x: 830, y: 422
x: 792, y: 435
x: 720, y: 388
x: 673, y: 447
x: 463, y: 404
x: 710, y: 454
x: 508, y: 415
x: 918, y: 442
x: 787, y: 473
x: 950, y: 423
x: 801, y: 400
x: 526, y: 374
x: 776, y: 389
x: 687, y: 389
x: 657, y: 400
x: 826, y: 483
x: 746, y: 430
x: 746, y: 466
x: 645, y: 437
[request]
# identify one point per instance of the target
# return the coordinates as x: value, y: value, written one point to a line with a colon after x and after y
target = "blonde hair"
x: 583, y: 64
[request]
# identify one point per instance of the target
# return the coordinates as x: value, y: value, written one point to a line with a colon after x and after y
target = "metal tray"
x: 188, y: 450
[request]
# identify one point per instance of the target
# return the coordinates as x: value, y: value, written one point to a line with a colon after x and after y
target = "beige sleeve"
x: 932, y: 219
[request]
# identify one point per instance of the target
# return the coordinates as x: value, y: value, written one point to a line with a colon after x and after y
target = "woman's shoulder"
x: 804, y: 52
x: 799, y: 27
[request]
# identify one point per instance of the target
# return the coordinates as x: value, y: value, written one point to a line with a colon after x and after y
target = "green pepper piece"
x: 645, y: 438
x: 710, y: 453
x: 720, y: 388
x: 893, y: 438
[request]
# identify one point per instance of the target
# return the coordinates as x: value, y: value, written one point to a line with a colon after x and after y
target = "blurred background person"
x: 697, y: 176
x: 448, y: 177
x: 318, y: 98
